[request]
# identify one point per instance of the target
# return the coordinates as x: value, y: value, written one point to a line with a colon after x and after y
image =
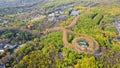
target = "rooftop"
x: 84, y: 44
x: 74, y: 13
x: 3, y: 46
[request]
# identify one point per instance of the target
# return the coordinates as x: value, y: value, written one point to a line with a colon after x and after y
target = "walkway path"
x: 93, y: 45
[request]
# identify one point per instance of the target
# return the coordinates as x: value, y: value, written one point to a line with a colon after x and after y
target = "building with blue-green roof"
x: 84, y: 44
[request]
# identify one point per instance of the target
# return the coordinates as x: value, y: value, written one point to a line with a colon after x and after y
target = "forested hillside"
x: 61, y: 34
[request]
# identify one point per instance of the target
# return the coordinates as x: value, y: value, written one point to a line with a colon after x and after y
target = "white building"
x: 52, y: 15
x: 74, y: 13
x: 9, y: 46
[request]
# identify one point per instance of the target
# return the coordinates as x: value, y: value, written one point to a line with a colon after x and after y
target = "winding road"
x: 73, y: 46
x: 93, y: 45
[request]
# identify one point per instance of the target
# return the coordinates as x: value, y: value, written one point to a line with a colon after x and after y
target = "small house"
x: 74, y: 13
x: 84, y: 44
x: 62, y: 17
x: 11, y: 46
x: 51, y: 19
x: 58, y: 12
x: 52, y: 15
